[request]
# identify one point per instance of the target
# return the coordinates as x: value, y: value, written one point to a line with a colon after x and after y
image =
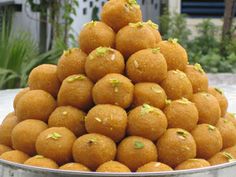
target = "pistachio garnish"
x: 115, y: 84
x: 156, y: 89
x: 156, y: 50
x: 133, y: 3
x: 136, y: 64
x: 146, y: 108
x: 183, y: 101
x: 182, y: 134
x: 76, y: 77
x: 181, y: 74
x: 138, y: 145
x: 54, y: 136
x: 211, y: 127
x: 173, y: 40
x: 153, y: 25
x: 92, y: 141
x: 168, y: 102
x: 219, y: 91
x: 198, y: 67
x: 175, y: 72
x: 91, y: 23
x: 38, y: 157
x: 206, y: 94
x: 91, y: 57
x: 64, y: 113
x: 225, y: 121
x: 157, y: 164
x: 229, y: 156
x: 67, y: 52
x: 137, y: 25
x: 101, y: 51
x: 98, y: 119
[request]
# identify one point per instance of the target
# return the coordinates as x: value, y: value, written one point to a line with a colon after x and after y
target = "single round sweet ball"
x: 102, y: 61
x: 146, y: 121
x: 95, y: 34
x: 134, y: 37
x: 221, y: 98
x: 113, y: 166
x: 227, y: 131
x: 175, y: 55
x: 230, y: 117
x: 108, y: 120
x: 44, y: 77
x: 221, y: 157
x: 19, y: 95
x: 35, y: 104
x: 56, y: 143
x: 76, y: 91
x: 154, y: 167
x: 40, y: 161
x: 149, y: 93
x: 181, y: 114
x: 147, y: 65
x: 136, y: 151
x: 119, y: 13
x: 69, y: 117
x: 113, y: 89
x: 208, y: 139
x: 197, y: 77
x: 6, y: 128
x: 208, y: 108
x: 71, y: 62
x: 4, y: 148
x: 15, y: 156
x: 175, y: 146
x: 192, y: 164
x: 154, y: 28
x: 93, y: 149
x: 177, y: 85
x: 74, y: 167
x: 24, y: 135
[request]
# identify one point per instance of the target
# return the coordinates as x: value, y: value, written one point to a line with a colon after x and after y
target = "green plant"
x: 16, y: 52
x: 19, y: 55
x: 59, y: 13
x: 207, y: 37
x: 175, y: 26
x: 205, y: 49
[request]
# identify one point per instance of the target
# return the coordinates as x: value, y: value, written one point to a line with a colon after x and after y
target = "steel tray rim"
x: 69, y: 172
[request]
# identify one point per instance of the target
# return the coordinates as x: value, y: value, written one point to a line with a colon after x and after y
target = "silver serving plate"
x: 9, y: 169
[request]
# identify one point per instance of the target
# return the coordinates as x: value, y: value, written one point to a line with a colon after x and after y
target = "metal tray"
x: 9, y: 169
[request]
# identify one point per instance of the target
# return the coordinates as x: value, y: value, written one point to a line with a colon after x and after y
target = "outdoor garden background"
x: 33, y: 32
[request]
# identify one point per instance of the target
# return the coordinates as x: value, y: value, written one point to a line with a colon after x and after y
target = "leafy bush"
x: 19, y: 55
x: 206, y: 48
x: 175, y: 26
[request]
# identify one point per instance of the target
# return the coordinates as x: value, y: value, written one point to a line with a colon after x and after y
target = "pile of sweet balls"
x: 125, y: 101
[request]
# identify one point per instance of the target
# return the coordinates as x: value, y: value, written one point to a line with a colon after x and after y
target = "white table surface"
x: 7, y: 97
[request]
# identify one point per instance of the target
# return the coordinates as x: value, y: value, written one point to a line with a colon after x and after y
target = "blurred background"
x: 33, y: 32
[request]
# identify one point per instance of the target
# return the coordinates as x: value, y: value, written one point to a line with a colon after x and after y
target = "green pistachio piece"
x: 138, y: 145
x: 54, y: 136
x: 199, y: 68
